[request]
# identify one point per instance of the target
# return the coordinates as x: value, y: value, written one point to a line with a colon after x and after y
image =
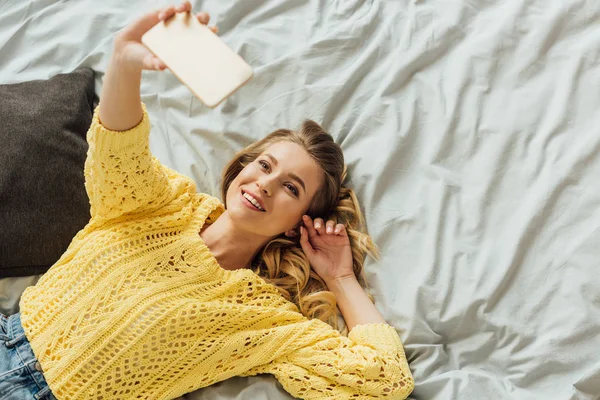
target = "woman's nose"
x: 262, y: 188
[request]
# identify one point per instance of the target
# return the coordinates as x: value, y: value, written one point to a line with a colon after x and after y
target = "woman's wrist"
x: 120, y: 101
x: 353, y: 302
x: 340, y: 284
x: 121, y: 59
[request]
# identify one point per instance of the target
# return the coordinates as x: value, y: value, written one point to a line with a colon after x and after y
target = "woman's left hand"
x: 328, y: 250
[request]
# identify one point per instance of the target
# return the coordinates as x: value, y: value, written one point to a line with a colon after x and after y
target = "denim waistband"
x: 14, y: 337
x: 15, y: 333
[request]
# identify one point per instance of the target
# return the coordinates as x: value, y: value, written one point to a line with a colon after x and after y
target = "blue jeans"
x: 21, y: 375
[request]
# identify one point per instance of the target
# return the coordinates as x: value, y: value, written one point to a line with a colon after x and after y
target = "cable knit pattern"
x: 139, y: 308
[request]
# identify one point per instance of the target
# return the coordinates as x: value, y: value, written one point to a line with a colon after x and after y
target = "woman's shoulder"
x: 210, y: 206
x: 265, y: 294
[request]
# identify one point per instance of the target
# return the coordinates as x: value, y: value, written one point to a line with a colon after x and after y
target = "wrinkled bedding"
x: 472, y: 135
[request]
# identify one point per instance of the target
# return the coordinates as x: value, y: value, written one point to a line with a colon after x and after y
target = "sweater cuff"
x: 109, y: 141
x: 381, y: 336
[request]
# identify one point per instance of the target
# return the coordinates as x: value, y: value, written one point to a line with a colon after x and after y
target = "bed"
x: 471, y: 134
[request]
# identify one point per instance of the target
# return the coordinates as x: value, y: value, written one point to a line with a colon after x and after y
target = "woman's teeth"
x: 254, y: 202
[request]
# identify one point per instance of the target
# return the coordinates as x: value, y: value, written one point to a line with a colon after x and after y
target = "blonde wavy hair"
x: 282, y: 261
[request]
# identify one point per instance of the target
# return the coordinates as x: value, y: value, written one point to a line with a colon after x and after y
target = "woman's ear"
x: 296, y: 231
x: 291, y: 233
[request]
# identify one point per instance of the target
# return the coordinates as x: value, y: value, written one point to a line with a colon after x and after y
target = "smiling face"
x: 284, y: 179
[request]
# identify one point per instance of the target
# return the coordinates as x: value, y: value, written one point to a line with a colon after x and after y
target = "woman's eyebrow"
x: 291, y: 174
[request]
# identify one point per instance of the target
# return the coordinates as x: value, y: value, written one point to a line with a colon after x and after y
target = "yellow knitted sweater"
x: 138, y: 307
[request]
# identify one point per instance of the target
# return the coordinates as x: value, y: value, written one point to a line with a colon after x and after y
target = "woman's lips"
x: 247, y: 203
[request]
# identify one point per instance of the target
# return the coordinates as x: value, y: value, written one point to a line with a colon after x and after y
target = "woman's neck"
x: 233, y: 248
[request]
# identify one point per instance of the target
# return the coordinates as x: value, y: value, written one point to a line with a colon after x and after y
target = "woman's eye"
x: 265, y: 165
x: 293, y: 189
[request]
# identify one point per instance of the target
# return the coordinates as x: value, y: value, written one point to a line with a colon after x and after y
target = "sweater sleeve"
x: 368, y: 364
x: 121, y: 175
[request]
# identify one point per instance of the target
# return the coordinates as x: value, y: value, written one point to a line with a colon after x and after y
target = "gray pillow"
x: 43, y: 147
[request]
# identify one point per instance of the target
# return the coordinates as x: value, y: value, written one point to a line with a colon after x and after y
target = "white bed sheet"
x: 472, y: 135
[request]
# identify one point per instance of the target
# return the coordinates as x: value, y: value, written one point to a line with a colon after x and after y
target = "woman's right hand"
x: 128, y: 46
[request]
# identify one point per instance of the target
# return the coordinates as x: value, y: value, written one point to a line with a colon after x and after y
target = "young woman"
x: 167, y: 290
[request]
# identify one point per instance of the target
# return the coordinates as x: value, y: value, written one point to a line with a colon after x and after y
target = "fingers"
x: 168, y: 12
x: 318, y: 227
x: 147, y: 21
x: 308, y: 224
x: 184, y: 6
x: 141, y: 25
x: 203, y: 17
x: 159, y: 65
x: 333, y: 229
x: 153, y: 63
x: 340, y: 229
x: 330, y: 226
x: 304, y: 242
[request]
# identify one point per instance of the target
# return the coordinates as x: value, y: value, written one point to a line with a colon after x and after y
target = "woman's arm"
x: 353, y: 302
x: 121, y: 174
x: 330, y: 255
x: 120, y: 100
x: 320, y: 363
x: 120, y: 105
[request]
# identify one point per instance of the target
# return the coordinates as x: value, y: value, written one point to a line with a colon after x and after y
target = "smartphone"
x: 198, y: 57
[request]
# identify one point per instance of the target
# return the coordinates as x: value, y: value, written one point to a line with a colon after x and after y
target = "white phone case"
x: 198, y: 57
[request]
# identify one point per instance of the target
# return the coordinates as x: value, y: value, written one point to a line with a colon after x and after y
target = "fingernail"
x: 305, y: 217
x: 301, y: 230
x: 317, y: 225
x: 329, y: 230
x: 161, y: 15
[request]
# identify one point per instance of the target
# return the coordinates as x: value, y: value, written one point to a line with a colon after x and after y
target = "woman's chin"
x: 242, y: 212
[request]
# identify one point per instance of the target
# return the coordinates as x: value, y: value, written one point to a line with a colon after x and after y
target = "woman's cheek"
x: 284, y: 207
